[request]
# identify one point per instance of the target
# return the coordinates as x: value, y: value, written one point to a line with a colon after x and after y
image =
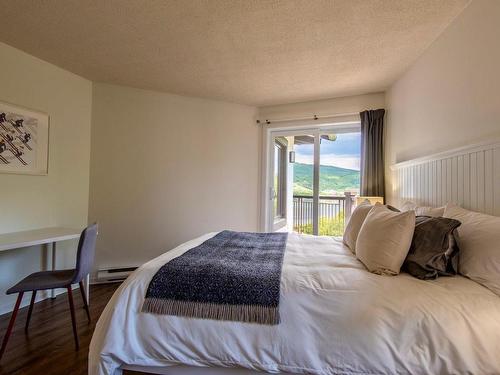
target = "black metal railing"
x: 332, y: 214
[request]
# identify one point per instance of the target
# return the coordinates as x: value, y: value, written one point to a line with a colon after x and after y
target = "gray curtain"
x: 372, y: 153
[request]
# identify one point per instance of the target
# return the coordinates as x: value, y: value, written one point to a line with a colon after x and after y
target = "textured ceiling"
x: 256, y: 52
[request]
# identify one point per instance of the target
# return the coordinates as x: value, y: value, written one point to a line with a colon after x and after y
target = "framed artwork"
x: 24, y: 140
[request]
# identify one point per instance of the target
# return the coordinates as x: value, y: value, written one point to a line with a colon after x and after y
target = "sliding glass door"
x: 314, y: 179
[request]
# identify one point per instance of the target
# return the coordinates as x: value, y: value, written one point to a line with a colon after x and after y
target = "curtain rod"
x: 313, y: 117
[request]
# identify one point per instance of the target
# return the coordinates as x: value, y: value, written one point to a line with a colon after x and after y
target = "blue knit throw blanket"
x: 232, y: 276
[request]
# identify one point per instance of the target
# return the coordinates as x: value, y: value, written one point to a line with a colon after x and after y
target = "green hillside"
x: 331, y: 179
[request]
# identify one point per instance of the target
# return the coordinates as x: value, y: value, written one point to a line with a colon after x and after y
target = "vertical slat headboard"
x: 468, y: 176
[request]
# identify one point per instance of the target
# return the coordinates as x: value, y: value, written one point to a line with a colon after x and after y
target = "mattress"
x: 336, y: 318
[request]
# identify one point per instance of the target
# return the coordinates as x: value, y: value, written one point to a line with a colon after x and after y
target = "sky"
x: 343, y: 152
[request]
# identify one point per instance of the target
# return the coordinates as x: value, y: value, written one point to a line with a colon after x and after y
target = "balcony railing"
x: 333, y: 213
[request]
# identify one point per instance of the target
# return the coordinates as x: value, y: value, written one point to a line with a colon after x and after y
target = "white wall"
x: 167, y: 168
x: 61, y: 197
x: 450, y: 96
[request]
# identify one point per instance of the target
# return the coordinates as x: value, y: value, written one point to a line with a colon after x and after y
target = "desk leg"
x: 53, y: 291
x: 87, y: 288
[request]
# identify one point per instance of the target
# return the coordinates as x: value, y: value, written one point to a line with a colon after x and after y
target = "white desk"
x: 17, y: 240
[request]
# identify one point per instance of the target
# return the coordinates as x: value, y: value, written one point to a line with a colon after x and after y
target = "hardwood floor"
x: 48, y: 347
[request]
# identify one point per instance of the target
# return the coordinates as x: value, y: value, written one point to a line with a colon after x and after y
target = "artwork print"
x: 23, y: 140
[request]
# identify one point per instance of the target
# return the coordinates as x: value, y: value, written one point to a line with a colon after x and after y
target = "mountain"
x: 331, y: 179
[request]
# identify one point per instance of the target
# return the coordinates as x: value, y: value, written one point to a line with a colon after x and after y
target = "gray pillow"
x: 433, y: 251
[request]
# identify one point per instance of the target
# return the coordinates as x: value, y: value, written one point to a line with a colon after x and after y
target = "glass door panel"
x: 339, y: 156
x: 303, y: 183
x: 279, y: 189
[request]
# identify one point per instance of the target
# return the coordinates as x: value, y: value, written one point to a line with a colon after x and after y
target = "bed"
x: 336, y: 318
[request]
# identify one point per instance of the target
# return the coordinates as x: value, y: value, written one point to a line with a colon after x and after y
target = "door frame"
x: 289, y: 129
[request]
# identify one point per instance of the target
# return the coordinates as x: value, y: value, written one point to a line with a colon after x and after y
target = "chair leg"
x: 30, y: 310
x: 11, y: 323
x: 73, y: 320
x: 84, y: 297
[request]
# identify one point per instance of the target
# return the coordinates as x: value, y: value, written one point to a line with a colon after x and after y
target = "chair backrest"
x: 86, y: 252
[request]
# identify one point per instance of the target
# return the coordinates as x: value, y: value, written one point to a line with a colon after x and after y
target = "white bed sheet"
x: 337, y: 318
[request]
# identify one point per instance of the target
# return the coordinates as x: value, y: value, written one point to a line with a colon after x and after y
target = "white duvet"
x: 337, y: 318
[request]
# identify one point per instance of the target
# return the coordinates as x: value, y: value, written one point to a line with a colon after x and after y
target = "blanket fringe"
x: 241, y: 313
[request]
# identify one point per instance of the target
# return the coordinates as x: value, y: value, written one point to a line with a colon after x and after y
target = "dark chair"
x: 57, y: 279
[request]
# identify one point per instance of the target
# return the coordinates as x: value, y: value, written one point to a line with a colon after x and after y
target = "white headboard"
x: 468, y: 176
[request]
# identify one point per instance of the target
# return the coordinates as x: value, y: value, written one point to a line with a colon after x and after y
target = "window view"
x: 338, y: 176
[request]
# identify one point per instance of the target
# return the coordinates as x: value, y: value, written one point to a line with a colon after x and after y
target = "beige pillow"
x: 384, y: 240
x: 479, y: 244
x: 354, y: 225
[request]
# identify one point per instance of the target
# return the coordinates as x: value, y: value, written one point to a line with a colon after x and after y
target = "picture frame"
x: 24, y: 140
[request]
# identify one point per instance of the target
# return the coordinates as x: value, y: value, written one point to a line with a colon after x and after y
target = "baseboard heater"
x: 113, y: 275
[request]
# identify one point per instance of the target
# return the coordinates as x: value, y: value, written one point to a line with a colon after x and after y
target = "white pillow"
x: 429, y: 211
x: 422, y: 210
x: 384, y: 239
x: 354, y: 225
x: 408, y: 206
x: 479, y: 244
